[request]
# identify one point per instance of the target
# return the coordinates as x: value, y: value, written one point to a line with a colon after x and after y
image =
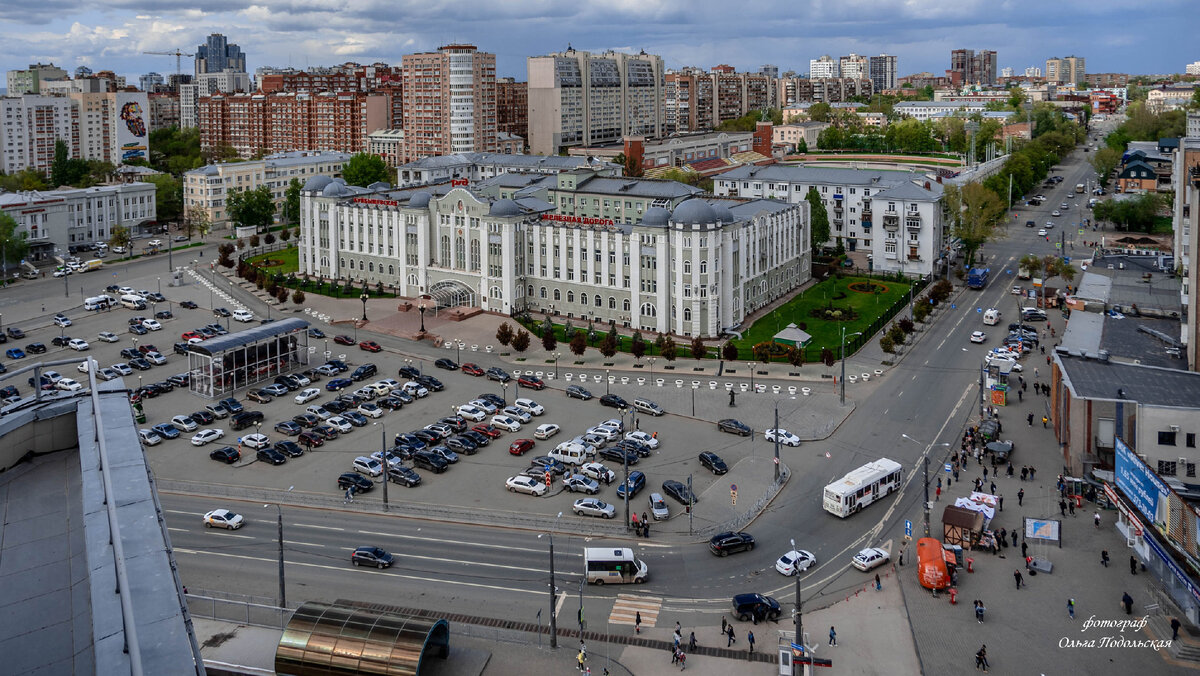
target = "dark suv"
x: 497, y: 373
x: 637, y: 481
x: 755, y: 607
x: 430, y: 461
x: 713, y: 462
x: 364, y: 371
x: 245, y: 419
x: 613, y: 401
x: 725, y: 544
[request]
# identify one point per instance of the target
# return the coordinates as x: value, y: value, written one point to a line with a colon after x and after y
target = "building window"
x: 583, y: 299
x: 612, y: 303
x: 687, y: 314
x: 1190, y: 440
x: 444, y: 258
x: 599, y: 301
x: 475, y: 255
x: 1166, y: 468
x: 1166, y: 439
x: 557, y: 295
x: 570, y: 296
x: 542, y: 294
x: 648, y: 310
x: 687, y: 267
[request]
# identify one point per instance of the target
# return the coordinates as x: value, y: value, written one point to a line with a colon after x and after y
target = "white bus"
x: 613, y: 565
x: 873, y: 481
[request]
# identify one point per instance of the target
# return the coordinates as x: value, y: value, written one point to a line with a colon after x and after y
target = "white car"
x: 151, y: 325
x: 415, y: 389
x: 107, y: 337
x: 155, y: 358
x: 598, y: 472
x: 302, y: 379
x: 642, y: 438
x: 149, y: 437
x: 61, y: 321
x: 307, y: 395
x: 658, y: 507
x: 154, y: 243
x: 184, y: 423
x: 795, y: 562
x: 380, y: 389
x: 870, y: 558
x: 472, y: 413
x: 506, y: 423
x: 1042, y: 232
x: 1016, y: 365
x: 243, y: 316
x: 255, y: 441
x: 78, y: 344
x: 125, y: 290
x: 340, y: 424
x: 392, y: 385
x: 1056, y: 212
x: 122, y: 368
x: 68, y: 385
x: 370, y: 410
x: 368, y: 466
x: 209, y: 434
x: 366, y: 392
x: 83, y: 366
x: 516, y: 412
x: 604, y: 431
x: 529, y: 406
x: 484, y: 405
x: 786, y: 438
x: 545, y: 431
x: 223, y: 518
x: 525, y: 484
x: 978, y: 336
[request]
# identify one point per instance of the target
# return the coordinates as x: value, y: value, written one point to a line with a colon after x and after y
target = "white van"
x: 133, y: 301
x: 991, y: 317
x: 570, y: 453
x: 96, y: 303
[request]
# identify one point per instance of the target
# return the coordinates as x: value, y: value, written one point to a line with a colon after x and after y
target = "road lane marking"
x: 306, y: 544
x: 528, y: 550
x: 311, y: 525
x: 627, y: 607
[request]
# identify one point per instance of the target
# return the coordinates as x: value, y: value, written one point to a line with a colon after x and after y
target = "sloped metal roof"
x: 254, y: 334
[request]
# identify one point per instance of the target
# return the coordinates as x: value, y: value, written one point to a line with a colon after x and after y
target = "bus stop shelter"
x: 331, y: 639
x: 221, y: 365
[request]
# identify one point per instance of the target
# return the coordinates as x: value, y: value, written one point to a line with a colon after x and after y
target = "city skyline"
x: 282, y: 34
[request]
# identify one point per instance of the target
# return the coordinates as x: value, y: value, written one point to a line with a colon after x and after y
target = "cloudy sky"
x: 112, y: 34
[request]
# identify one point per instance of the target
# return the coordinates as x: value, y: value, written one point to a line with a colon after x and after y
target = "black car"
x: 577, y: 392
x: 222, y: 312
x: 495, y: 399
x: 35, y: 348
x: 410, y: 440
x: 724, y: 544
x: 364, y: 371
x: 734, y: 427
x: 462, y: 445
x: 203, y: 417
x: 360, y: 483
x: 713, y: 463
x: 427, y: 436
x: 270, y: 455
x: 245, y: 419
x: 679, y: 491
x: 755, y: 606
x: 403, y: 475
x: 163, y: 314
x: 289, y: 382
x: 350, y: 399
x: 336, y: 406
x: 371, y: 556
x: 338, y: 364
x: 432, y: 384
x: 15, y: 333
x: 480, y: 440
x: 326, y: 432
x: 613, y: 401
x: 316, y: 333
x: 3, y: 337
x: 355, y: 418
x: 180, y: 348
x: 642, y: 450
x: 409, y: 372
x: 226, y: 454
x: 289, y: 448
x: 156, y: 297
x: 188, y: 305
x: 390, y: 403
x: 497, y: 373
x: 60, y: 341
x: 447, y: 364
x: 455, y: 422
x: 430, y: 461
x: 9, y: 391
x: 130, y: 353
x: 140, y: 364
x: 618, y: 455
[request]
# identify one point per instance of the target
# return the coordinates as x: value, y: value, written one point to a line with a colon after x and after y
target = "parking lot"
x: 476, y: 481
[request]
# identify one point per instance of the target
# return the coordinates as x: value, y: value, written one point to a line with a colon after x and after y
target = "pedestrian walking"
x: 637, y: 623
x: 1104, y: 557
x: 939, y: 482
x: 1029, y: 419
x: 937, y: 495
x: 999, y: 499
x: 678, y: 638
x: 1071, y: 608
x: 981, y: 658
x: 1096, y: 519
x: 1019, y: 578
x: 1024, y: 549
x: 1010, y: 469
x: 1071, y: 506
x: 582, y: 649
x: 985, y: 470
x: 692, y: 642
x: 1020, y: 396
x: 878, y: 585
x: 580, y: 659
x: 750, y: 641
x: 1127, y: 602
x: 832, y: 637
x: 645, y: 519
x: 1032, y: 472
x: 992, y: 485
x: 674, y: 654
x: 678, y: 628
x: 634, y: 520
x: 729, y: 633
x: 1014, y: 538
x: 1133, y: 565
x: 979, y: 609
x: 1044, y: 421
x: 1062, y: 506
x: 1175, y: 625
x: 1021, y: 493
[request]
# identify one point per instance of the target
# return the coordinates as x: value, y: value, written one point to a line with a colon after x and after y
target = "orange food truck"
x: 932, y: 569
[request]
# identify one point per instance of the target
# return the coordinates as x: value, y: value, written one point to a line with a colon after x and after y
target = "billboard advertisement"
x: 1138, y: 482
x: 132, y: 126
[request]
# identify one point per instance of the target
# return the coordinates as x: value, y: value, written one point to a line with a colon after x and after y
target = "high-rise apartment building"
x: 883, y: 72
x: 29, y: 126
x: 1192, y: 68
x: 149, y: 81
x: 853, y: 66
x: 164, y: 110
x: 793, y: 90
x: 218, y: 54
x: 288, y: 121
x: 698, y: 101
x: 348, y: 77
x: 1007, y: 71
x: 770, y: 70
x: 1033, y: 71
x: 189, y: 105
x: 969, y: 67
x: 512, y: 107
x: 28, y: 80
x: 449, y: 102
x: 579, y: 98
x: 824, y: 67
x: 1067, y: 70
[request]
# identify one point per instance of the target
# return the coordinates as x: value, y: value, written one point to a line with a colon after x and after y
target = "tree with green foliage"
x: 820, y: 112
x: 669, y: 349
x: 1104, y: 161
x: 196, y: 221
x: 761, y: 352
x: 729, y: 351
x: 14, y: 244
x: 504, y: 334
x: 579, y: 343
x: 632, y: 167
x: 549, y: 340
x: 252, y: 207
x: 175, y: 150
x: 24, y: 180
x: 698, y: 349
x: 363, y: 169
x: 637, y: 346
x: 818, y: 218
x: 520, y: 342
x: 1132, y: 214
x: 289, y: 210
x: 927, y: 92
x: 1047, y: 268
x: 120, y: 236
x: 973, y: 212
x: 795, y: 356
x: 802, y: 146
x: 58, y: 168
x: 168, y: 197
x: 886, y: 344
x: 221, y: 153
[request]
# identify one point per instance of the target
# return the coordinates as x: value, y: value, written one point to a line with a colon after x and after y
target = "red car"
x: 519, y: 446
x: 190, y: 335
x: 488, y: 431
x: 370, y: 346
x: 310, y: 439
x: 472, y: 369
x: 343, y: 340
x: 532, y: 382
x: 147, y: 348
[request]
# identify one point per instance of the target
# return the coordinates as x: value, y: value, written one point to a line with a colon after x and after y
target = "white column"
x: 663, y: 298
x: 507, y: 261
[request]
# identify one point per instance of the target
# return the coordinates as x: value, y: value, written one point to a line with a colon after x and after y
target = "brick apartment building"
x: 285, y: 121
x: 695, y: 100
x: 512, y: 107
x: 449, y: 102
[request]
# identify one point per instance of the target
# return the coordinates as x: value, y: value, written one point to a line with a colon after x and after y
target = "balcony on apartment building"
x: 867, y: 216
x: 912, y: 221
x: 891, y: 220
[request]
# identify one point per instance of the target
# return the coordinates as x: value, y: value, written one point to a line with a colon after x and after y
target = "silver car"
x: 593, y: 507
x: 658, y: 507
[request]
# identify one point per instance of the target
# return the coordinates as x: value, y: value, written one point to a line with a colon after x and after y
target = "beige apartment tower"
x: 580, y: 99
x: 449, y: 102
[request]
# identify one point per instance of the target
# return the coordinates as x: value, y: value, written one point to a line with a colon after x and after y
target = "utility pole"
x: 776, y: 442
x: 553, y: 624
x: 691, y: 504
x: 282, y: 586
x: 799, y: 608
x: 925, y: 475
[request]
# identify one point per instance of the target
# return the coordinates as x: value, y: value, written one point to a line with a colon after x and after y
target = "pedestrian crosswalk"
x: 627, y: 607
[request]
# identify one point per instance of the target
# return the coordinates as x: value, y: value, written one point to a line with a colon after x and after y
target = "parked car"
x: 498, y: 374
x: 532, y: 382
x: 658, y: 507
x: 724, y: 544
x: 358, y: 482
x: 577, y: 483
x: 713, y: 463
x: 403, y: 475
x: 679, y: 491
x: 636, y: 482
x: 525, y: 484
x: 472, y: 369
x: 593, y: 507
x: 545, y: 431
x: 869, y: 558
x: 226, y: 454
x: 447, y: 364
x: 270, y: 456
x: 577, y: 392
x: 756, y: 606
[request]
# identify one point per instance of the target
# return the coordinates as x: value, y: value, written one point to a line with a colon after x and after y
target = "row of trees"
x: 1134, y: 214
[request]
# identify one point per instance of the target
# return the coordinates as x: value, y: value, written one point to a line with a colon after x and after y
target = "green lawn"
x: 827, y: 333
x: 289, y: 256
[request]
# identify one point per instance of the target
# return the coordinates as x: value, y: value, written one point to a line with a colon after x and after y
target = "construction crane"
x: 178, y: 54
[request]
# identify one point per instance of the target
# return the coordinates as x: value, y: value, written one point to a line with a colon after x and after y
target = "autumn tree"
x: 698, y: 348
x: 669, y: 350
x: 608, y: 346
x: 549, y: 341
x: 729, y: 351
x: 504, y: 334
x: 579, y: 342
x: 298, y: 297
x: 520, y: 342
x: 637, y: 346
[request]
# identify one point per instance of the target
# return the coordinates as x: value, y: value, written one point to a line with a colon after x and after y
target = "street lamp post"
x: 777, y: 435
x: 694, y: 386
x: 364, y: 298
x: 553, y: 590
x: 160, y: 284
x: 458, y: 345
x: 606, y: 378
x: 843, y: 380
x: 383, y: 456
x: 752, y: 365
x: 556, y: 356
x: 799, y: 607
x: 421, y: 308
x: 282, y: 584
x: 651, y: 360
